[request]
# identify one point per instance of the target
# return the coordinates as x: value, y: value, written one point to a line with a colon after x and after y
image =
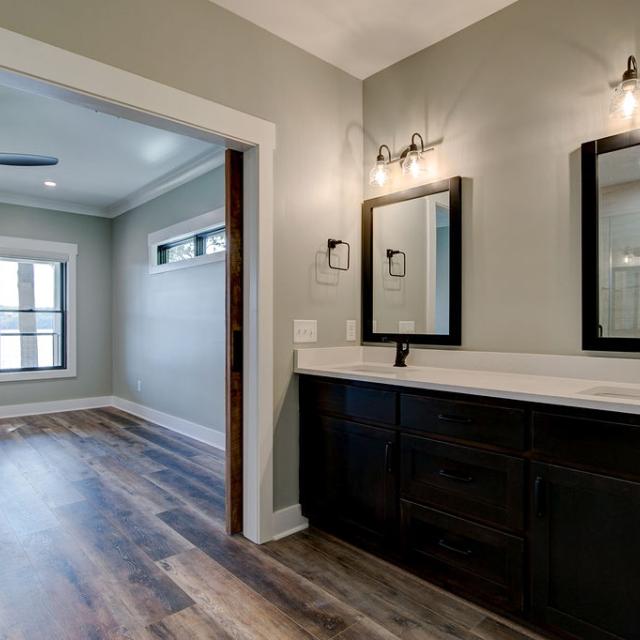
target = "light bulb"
x: 626, y: 96
x: 630, y: 103
x: 379, y: 175
x: 414, y: 164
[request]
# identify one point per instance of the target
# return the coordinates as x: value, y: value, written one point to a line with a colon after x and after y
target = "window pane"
x: 46, y: 281
x: 181, y: 251
x: 30, y: 340
x: 8, y: 284
x: 215, y: 242
x: 29, y: 352
x: 31, y: 318
x: 29, y: 284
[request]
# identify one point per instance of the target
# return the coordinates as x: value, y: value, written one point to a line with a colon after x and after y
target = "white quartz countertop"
x: 592, y: 393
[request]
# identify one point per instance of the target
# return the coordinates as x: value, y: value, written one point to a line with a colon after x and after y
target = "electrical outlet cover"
x: 351, y: 330
x: 406, y: 326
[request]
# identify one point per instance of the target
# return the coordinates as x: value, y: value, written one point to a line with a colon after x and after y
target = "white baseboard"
x: 288, y: 521
x: 53, y: 406
x: 179, y: 425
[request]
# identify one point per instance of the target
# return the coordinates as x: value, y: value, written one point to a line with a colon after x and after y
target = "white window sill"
x: 184, y: 264
x: 18, y: 376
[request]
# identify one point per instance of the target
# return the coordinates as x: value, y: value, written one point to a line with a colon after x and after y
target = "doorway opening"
x: 59, y: 342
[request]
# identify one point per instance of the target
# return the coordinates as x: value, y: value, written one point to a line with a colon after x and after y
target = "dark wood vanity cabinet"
x: 585, y: 560
x: 350, y: 479
x: 531, y: 510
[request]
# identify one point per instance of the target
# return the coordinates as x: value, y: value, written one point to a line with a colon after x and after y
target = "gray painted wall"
x: 169, y: 328
x: 93, y: 237
x: 512, y: 98
x: 199, y: 47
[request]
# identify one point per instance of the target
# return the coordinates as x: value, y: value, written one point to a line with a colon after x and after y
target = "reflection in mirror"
x: 410, y: 256
x: 619, y: 243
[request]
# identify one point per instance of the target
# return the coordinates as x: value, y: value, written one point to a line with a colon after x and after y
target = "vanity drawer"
x: 601, y: 445
x: 360, y: 402
x: 488, y: 424
x: 469, y: 482
x: 466, y: 557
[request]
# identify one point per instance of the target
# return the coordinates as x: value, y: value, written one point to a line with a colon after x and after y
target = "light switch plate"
x: 406, y: 326
x: 351, y: 330
x: 305, y: 331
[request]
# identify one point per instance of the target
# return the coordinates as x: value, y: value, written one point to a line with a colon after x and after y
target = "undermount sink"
x: 613, y: 392
x: 375, y: 368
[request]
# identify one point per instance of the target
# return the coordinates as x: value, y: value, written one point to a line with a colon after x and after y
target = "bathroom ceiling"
x: 363, y: 36
x: 107, y: 164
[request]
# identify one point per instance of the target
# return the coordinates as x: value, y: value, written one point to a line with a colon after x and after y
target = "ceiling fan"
x: 26, y: 160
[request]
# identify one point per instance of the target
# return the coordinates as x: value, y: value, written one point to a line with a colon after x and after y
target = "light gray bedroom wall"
x: 93, y: 237
x: 512, y: 98
x: 169, y: 328
x: 198, y: 47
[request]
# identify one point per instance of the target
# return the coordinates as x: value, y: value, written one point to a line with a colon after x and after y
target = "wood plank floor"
x: 113, y: 528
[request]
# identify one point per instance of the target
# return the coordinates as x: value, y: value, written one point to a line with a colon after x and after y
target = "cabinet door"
x: 349, y: 478
x: 585, y: 538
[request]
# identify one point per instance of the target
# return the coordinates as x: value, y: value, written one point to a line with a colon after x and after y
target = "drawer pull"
x: 448, y: 547
x: 451, y: 475
x: 457, y: 419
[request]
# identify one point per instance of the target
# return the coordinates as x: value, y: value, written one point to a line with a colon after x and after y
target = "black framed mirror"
x: 611, y: 243
x: 412, y: 265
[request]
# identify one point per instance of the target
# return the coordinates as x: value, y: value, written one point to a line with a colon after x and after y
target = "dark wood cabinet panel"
x: 349, y: 478
x: 469, y: 558
x: 585, y: 532
x: 465, y: 481
x: 605, y: 446
x: 364, y: 403
x: 471, y: 421
x: 529, y: 509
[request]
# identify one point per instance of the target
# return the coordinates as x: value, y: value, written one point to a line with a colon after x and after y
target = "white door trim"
x: 83, y: 80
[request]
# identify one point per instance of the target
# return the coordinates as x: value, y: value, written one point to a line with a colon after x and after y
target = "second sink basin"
x: 625, y: 393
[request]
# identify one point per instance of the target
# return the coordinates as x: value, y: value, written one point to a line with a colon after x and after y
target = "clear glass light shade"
x: 415, y: 164
x: 379, y: 175
x: 625, y: 101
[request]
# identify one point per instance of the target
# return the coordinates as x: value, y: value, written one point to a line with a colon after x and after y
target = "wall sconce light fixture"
x: 380, y: 173
x: 412, y: 161
x: 626, y: 96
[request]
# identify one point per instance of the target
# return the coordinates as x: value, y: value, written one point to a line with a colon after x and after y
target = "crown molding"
x: 187, y: 172
x: 49, y: 203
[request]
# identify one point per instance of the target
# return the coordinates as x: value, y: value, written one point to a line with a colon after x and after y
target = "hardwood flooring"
x: 113, y: 528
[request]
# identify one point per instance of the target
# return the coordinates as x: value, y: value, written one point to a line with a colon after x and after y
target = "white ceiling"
x: 363, y: 36
x: 107, y: 164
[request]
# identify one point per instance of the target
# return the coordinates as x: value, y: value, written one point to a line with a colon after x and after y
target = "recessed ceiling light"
x: 50, y: 183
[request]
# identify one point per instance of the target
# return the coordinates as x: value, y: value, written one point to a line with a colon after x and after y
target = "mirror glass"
x: 619, y: 243
x: 410, y: 266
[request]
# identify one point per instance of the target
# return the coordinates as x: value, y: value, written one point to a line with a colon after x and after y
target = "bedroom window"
x: 35, y: 325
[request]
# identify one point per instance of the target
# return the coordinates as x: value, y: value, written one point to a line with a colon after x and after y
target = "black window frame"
x: 63, y: 311
x: 199, y: 240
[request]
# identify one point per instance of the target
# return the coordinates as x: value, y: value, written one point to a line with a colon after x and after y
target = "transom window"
x: 205, y: 243
x: 32, y: 314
